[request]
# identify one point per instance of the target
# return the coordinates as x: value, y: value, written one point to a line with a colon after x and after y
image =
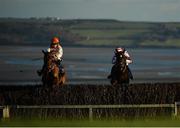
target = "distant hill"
x: 35, y: 31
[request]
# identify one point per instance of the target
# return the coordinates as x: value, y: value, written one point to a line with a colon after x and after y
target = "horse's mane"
x: 48, y: 60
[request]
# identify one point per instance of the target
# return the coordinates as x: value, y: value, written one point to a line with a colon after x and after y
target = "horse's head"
x: 121, y: 60
x: 120, y: 57
x: 48, y: 60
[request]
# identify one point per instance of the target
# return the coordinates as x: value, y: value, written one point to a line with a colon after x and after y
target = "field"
x: 101, y: 33
x: 141, y: 122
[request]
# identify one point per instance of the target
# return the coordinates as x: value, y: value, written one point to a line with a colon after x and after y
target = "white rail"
x: 6, y: 109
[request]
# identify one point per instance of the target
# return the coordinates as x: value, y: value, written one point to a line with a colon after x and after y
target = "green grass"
x: 122, y: 37
x: 169, y: 42
x: 114, y: 25
x: 106, y: 42
x: 140, y: 122
x: 110, y: 33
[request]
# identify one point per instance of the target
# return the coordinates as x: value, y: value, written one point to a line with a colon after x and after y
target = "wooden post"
x: 175, y: 108
x: 90, y: 114
x: 6, y: 112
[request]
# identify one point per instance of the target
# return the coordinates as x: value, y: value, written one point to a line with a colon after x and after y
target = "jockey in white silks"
x: 128, y: 59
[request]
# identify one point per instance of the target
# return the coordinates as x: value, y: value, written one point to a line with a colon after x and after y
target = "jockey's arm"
x: 60, y: 53
x: 128, y: 59
x: 48, y: 50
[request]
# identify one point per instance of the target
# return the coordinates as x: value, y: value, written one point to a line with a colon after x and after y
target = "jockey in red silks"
x: 128, y: 59
x: 57, y: 50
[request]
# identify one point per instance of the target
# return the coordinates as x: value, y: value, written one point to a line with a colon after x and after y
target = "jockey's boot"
x: 130, y: 74
x: 113, y: 69
x: 39, y: 72
x: 109, y: 76
x: 61, y: 68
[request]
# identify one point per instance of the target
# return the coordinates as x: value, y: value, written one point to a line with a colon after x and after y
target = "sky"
x: 124, y: 10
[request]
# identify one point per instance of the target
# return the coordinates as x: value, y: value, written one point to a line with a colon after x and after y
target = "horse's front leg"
x: 56, y: 76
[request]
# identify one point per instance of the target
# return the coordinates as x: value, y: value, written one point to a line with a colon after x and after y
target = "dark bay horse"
x: 52, y: 75
x: 120, y: 73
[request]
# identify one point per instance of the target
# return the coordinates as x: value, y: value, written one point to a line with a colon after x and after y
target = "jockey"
x: 128, y: 59
x: 57, y: 50
x: 126, y: 54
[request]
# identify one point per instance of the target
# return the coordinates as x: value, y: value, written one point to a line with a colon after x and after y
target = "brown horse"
x: 52, y: 75
x: 120, y: 73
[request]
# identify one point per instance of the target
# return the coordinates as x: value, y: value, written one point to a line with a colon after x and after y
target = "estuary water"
x: 86, y: 65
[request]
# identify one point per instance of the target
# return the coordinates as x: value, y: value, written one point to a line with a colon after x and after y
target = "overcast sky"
x: 126, y: 10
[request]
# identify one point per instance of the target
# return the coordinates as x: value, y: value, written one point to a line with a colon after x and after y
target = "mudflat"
x: 86, y: 65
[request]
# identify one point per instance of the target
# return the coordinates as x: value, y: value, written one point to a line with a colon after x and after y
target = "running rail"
x: 6, y: 109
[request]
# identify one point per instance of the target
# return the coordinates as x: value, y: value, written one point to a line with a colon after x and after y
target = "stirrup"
x: 39, y: 72
x: 131, y: 77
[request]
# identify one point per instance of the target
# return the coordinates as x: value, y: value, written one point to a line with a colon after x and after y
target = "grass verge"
x: 138, y: 122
